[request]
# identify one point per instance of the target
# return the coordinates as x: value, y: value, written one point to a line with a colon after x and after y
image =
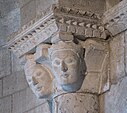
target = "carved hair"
x: 66, y: 46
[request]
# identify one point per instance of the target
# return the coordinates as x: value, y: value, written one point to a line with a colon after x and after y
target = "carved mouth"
x: 65, y: 75
x: 38, y: 88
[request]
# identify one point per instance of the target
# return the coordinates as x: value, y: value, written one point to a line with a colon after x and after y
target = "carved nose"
x: 34, y: 81
x: 64, y: 67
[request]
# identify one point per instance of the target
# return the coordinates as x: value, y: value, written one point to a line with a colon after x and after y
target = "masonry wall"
x: 115, y: 101
x: 15, y: 95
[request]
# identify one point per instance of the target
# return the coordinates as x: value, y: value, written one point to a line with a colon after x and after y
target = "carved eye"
x: 38, y: 73
x: 56, y: 62
x: 70, y: 60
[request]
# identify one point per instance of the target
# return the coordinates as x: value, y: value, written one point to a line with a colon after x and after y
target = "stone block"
x: 23, y: 2
x: 9, y: 24
x: 24, y: 101
x: 117, y: 51
x: 97, y: 6
x: 43, y: 108
x: 126, y: 51
x: 76, y: 103
x: 5, y: 62
x: 1, y: 90
x: 16, y: 65
x: 2, y: 34
x: 6, y: 6
x: 5, y: 105
x: 42, y: 5
x: 28, y: 12
x: 94, y: 87
x: 111, y: 3
x: 14, y: 83
x: 115, y: 101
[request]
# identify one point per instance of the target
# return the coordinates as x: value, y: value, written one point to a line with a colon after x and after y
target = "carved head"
x: 39, y: 79
x: 68, y: 66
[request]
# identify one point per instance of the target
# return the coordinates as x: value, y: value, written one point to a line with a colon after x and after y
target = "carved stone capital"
x: 57, y: 18
x: 64, y: 50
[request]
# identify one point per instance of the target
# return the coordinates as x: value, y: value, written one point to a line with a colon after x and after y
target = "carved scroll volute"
x: 97, y: 62
x: 38, y: 77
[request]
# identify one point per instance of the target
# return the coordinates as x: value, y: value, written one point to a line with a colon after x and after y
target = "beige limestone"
x: 117, y: 57
x: 76, y: 103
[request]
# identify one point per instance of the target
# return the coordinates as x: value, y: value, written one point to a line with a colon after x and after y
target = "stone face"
x: 5, y: 105
x: 39, y: 78
x: 24, y: 101
x: 117, y: 59
x: 76, y: 103
x: 5, y: 62
x: 14, y: 83
x: 68, y: 65
x: 115, y: 101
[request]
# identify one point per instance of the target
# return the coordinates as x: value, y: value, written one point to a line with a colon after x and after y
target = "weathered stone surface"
x: 23, y: 2
x: 24, y: 101
x: 94, y: 87
x: 14, y: 83
x: 115, y: 18
x: 44, y: 3
x: 5, y: 62
x: 9, y: 24
x: 28, y: 12
x: 43, y: 108
x: 125, y: 52
x: 1, y: 90
x: 5, y: 105
x: 111, y: 3
x: 76, y: 103
x: 16, y: 64
x: 96, y: 6
x: 115, y: 101
x: 6, y: 6
x: 12, y: 21
x: 117, y: 49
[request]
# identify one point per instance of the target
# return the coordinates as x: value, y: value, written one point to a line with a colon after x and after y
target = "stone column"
x: 76, y: 103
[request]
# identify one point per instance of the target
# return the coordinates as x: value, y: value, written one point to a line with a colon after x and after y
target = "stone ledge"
x: 115, y: 19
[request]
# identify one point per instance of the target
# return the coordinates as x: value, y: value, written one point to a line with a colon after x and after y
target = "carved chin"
x: 68, y: 79
x: 71, y: 87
